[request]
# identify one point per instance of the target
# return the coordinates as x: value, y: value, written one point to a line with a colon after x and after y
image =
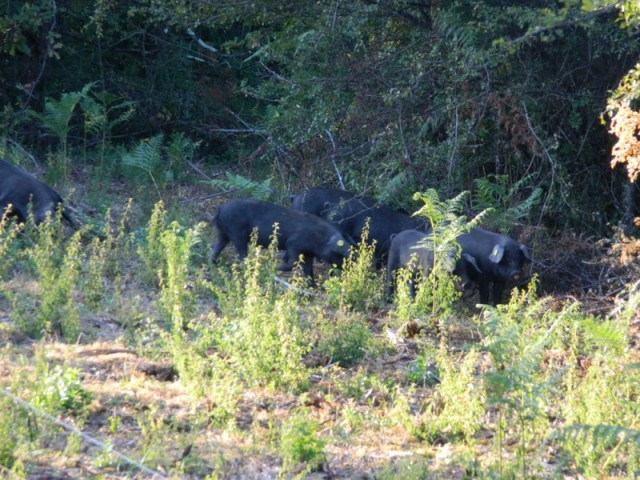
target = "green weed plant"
x: 538, y: 358
x: 458, y: 406
x: 301, y: 448
x: 151, y: 251
x: 344, y: 338
x: 356, y: 286
x: 106, y: 259
x: 9, y: 231
x: 261, y: 333
x: 57, y: 262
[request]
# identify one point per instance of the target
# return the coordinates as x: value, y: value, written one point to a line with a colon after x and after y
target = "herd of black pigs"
x: 321, y: 223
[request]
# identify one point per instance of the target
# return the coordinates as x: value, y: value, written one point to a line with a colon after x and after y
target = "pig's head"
x: 509, y: 260
x: 336, y: 249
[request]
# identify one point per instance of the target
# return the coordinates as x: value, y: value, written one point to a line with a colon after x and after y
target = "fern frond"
x: 258, y: 190
x: 57, y: 113
x: 518, y: 212
x: 455, y: 206
x: 181, y: 148
x: 433, y: 208
x: 603, y: 435
x: 461, y: 34
x: 104, y: 111
x: 523, y: 182
x: 489, y: 193
x: 608, y: 334
x: 146, y: 155
x: 480, y: 219
x: 493, y: 192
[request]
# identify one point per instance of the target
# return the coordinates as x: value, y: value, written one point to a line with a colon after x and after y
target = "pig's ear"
x: 471, y: 260
x: 525, y: 252
x: 496, y: 254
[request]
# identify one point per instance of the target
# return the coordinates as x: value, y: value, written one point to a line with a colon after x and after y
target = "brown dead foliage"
x: 625, y: 124
x: 590, y: 270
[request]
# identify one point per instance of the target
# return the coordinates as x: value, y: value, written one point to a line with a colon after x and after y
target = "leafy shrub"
x: 59, y: 390
x: 8, y: 232
x: 13, y: 422
x: 345, y: 338
x: 57, y: 263
x: 299, y: 444
x: 507, y: 207
x: 424, y: 370
x: 244, y: 186
x: 176, y: 299
x: 152, y: 251
x: 106, y: 257
x: 261, y: 333
x: 458, y: 405
x: 357, y: 286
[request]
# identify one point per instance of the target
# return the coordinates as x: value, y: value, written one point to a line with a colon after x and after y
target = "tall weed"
x: 152, y: 251
x: 261, y: 333
x: 300, y: 445
x: 457, y: 408
x: 106, y: 258
x: 57, y: 263
x: 8, y: 232
x: 358, y: 286
x: 176, y: 298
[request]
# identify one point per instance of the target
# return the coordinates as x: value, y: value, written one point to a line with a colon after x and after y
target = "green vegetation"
x: 306, y: 373
x: 124, y: 350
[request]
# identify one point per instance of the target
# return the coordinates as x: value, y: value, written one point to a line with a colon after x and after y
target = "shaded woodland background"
x: 383, y: 97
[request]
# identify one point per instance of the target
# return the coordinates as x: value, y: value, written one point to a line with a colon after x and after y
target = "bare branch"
x: 201, y: 42
x: 333, y: 160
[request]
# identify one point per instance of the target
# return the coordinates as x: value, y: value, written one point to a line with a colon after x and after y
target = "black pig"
x: 500, y: 259
x: 299, y: 233
x: 406, y: 252
x: 318, y: 200
x: 19, y: 189
x: 351, y: 217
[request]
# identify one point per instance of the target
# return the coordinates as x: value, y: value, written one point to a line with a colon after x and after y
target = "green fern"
x: 598, y: 434
x: 103, y: 111
x: 258, y: 190
x: 180, y: 150
x: 610, y: 335
x: 58, y: 113
x: 494, y: 192
x: 453, y: 26
x: 437, y: 291
x: 147, y: 156
x: 446, y: 219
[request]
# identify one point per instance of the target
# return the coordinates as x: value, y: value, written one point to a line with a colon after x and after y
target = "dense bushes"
x: 381, y: 97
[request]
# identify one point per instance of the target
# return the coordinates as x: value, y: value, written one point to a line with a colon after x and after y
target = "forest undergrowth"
x: 127, y: 353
